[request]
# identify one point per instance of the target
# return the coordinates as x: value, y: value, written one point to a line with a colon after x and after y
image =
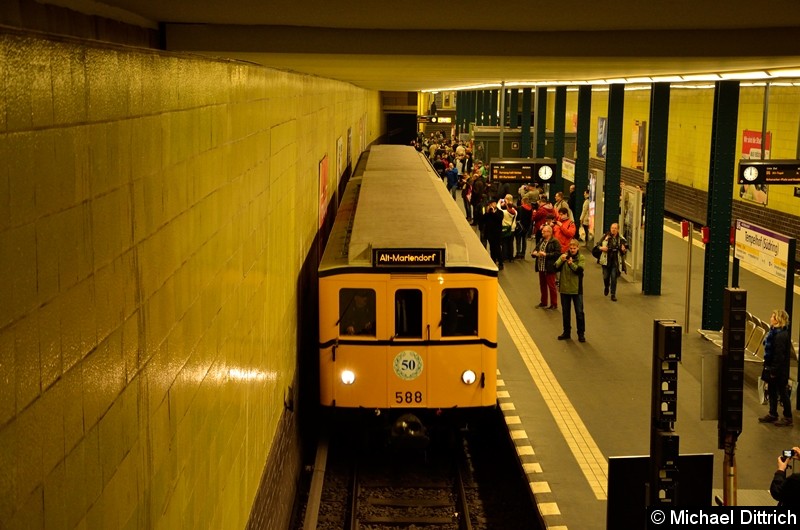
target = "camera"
x: 787, y: 454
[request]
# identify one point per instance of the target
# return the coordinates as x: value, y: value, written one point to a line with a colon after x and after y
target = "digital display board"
x: 522, y: 170
x: 408, y: 257
x: 769, y: 172
x: 512, y: 171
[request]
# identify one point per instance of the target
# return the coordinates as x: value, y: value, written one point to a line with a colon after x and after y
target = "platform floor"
x: 570, y: 405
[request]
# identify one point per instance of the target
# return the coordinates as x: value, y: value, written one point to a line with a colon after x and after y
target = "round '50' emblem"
x: 407, y: 365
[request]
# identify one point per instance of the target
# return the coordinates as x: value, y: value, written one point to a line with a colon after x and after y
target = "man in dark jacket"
x: 493, y: 229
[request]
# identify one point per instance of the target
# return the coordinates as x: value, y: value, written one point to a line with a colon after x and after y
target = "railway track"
x: 465, y: 481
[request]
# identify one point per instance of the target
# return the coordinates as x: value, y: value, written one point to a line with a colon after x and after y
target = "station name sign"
x: 522, y: 170
x: 408, y: 257
x: 769, y: 172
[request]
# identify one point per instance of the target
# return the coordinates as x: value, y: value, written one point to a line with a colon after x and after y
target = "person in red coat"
x: 564, y: 229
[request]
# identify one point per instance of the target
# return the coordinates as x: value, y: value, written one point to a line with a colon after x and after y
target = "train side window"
x: 408, y: 313
x: 357, y: 312
x: 459, y: 312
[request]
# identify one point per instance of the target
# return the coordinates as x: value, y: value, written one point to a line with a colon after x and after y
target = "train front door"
x: 407, y: 354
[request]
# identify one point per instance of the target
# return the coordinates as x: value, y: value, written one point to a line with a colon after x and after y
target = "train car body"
x: 407, y: 295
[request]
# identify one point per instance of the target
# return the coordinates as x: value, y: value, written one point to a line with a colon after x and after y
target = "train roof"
x: 396, y: 202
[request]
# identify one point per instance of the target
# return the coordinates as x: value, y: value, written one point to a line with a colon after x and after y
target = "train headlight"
x: 468, y: 377
x: 348, y: 377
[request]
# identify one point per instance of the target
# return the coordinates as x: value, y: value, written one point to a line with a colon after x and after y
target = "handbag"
x: 596, y: 252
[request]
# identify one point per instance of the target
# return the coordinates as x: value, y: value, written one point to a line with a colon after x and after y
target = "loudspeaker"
x: 734, y: 299
x: 734, y: 319
x: 669, y: 341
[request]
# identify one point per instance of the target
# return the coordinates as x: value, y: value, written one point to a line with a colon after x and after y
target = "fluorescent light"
x: 745, y: 75
x: 667, y: 79
x: 785, y: 72
x: 638, y: 80
x: 616, y: 81
x: 701, y: 77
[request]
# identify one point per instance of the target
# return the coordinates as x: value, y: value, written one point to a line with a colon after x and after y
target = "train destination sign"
x: 522, y: 169
x: 408, y: 257
x: 769, y: 172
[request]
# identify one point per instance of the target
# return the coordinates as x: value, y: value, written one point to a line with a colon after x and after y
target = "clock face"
x: 750, y: 173
x: 545, y: 172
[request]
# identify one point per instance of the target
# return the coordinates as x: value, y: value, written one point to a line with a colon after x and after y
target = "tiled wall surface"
x: 690, y: 124
x: 154, y: 213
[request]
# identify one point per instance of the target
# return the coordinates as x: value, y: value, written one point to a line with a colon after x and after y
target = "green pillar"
x: 493, y: 107
x: 459, y: 112
x: 616, y: 111
x: 486, y: 110
x: 513, y: 107
x: 525, y: 135
x: 472, y: 113
x: 559, y: 130
x: 541, y: 121
x: 720, y: 193
x: 582, y: 144
x: 656, y: 188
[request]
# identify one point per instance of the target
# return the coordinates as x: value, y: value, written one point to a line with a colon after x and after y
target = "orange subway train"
x: 407, y: 297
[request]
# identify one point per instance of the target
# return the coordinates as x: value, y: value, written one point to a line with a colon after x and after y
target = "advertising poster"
x: 751, y: 149
x: 638, y: 141
x: 323, y: 189
x: 349, y: 159
x: 339, y: 157
x: 568, y: 169
x: 602, y: 137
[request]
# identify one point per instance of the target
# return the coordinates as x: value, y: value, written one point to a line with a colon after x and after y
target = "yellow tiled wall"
x: 689, y: 143
x: 154, y: 213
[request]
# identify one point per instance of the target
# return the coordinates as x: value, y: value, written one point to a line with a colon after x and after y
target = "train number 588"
x: 408, y: 397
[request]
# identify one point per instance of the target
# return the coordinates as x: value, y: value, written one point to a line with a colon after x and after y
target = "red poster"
x: 751, y: 144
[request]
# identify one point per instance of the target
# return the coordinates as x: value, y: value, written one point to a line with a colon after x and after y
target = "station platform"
x: 570, y: 406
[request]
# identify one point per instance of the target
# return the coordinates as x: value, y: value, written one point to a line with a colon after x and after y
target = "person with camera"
x: 546, y: 252
x: 613, y: 247
x: 570, y: 284
x: 786, y: 490
x: 777, y: 354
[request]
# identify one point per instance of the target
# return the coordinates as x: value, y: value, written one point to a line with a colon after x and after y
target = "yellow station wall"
x: 154, y: 213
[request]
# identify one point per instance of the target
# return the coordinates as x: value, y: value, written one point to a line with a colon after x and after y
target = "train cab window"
x: 459, y: 312
x: 357, y: 312
x: 408, y: 313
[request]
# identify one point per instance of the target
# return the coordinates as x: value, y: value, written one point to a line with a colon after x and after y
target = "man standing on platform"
x: 613, y: 247
x: 570, y: 285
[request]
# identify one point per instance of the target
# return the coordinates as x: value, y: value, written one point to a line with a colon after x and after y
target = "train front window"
x: 408, y: 313
x: 459, y: 312
x: 357, y: 312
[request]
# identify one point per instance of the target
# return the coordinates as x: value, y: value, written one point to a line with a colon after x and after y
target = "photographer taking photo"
x: 786, y: 490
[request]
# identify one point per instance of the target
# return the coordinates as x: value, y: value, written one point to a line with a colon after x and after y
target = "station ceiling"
x: 414, y: 45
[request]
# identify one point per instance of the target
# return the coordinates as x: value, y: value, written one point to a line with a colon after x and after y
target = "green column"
x: 656, y: 188
x: 616, y: 110
x: 513, y: 108
x: 525, y: 135
x: 541, y: 121
x: 720, y: 193
x: 472, y: 113
x: 582, y: 144
x: 479, y: 107
x: 559, y: 130
x: 492, y: 108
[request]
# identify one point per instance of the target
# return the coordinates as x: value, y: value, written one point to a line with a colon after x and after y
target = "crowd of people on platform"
x: 511, y: 219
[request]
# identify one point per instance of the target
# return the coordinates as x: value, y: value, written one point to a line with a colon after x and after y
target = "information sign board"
x: 769, y: 172
x: 761, y: 248
x: 522, y: 170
